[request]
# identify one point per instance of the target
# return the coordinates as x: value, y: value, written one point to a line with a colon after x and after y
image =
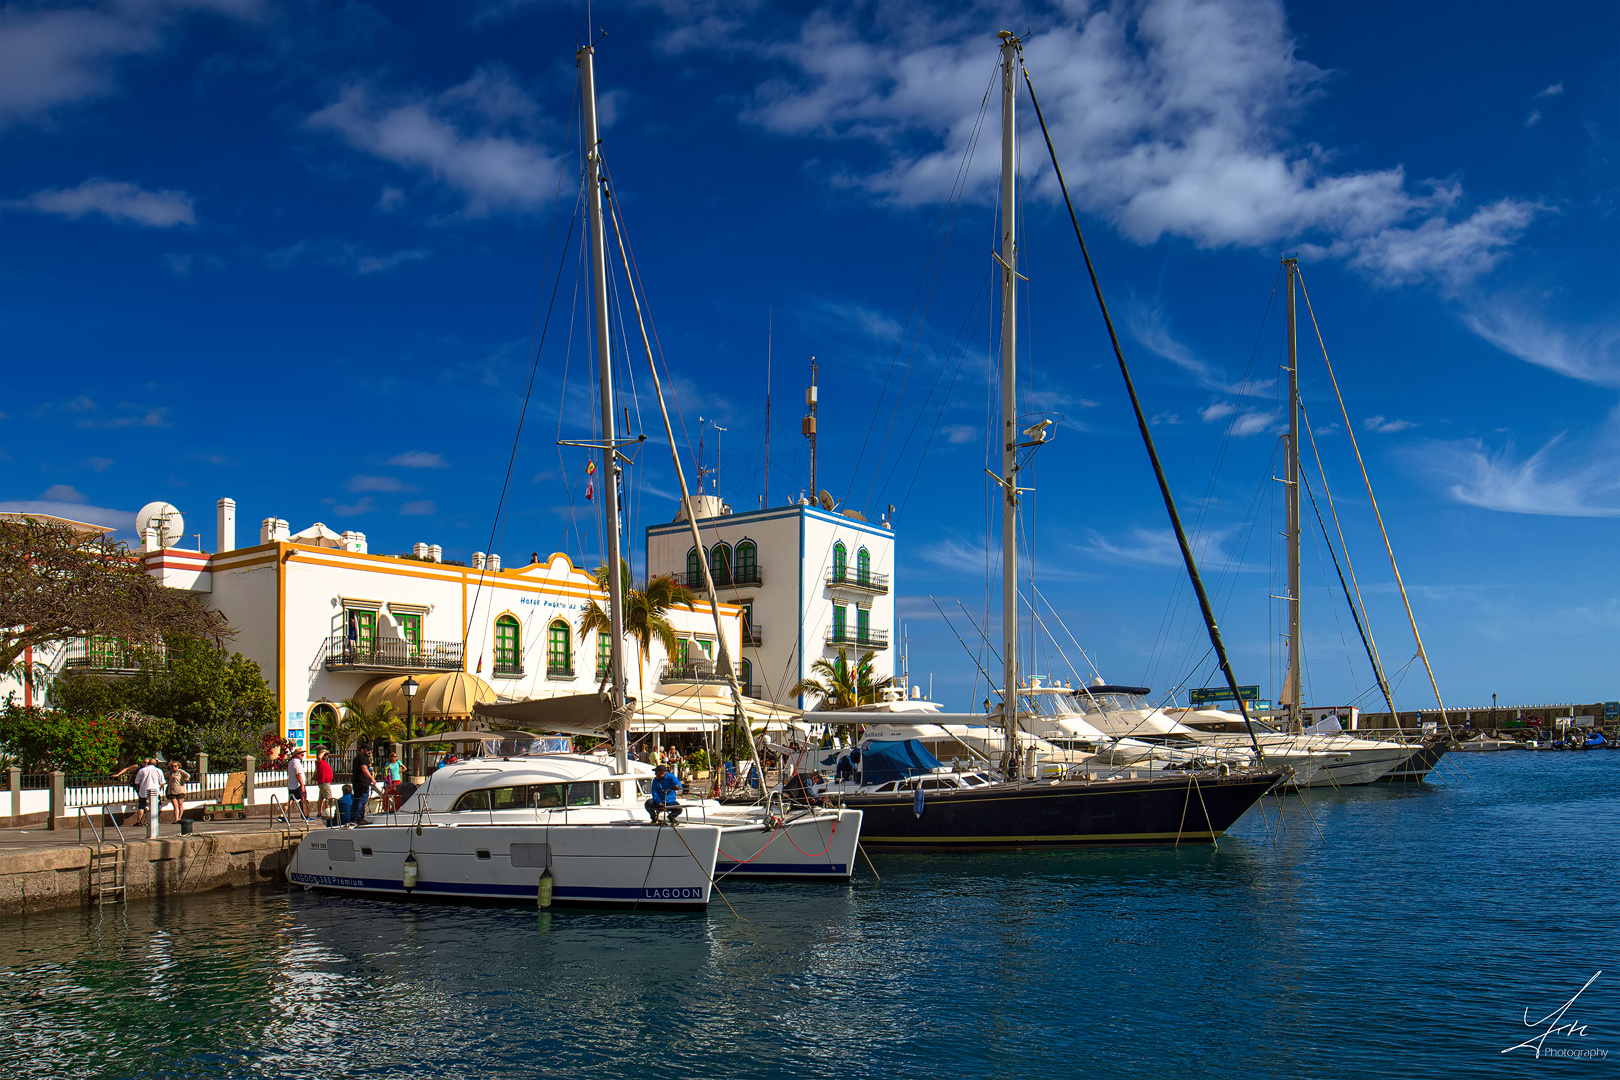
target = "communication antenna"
x: 810, y: 424
x: 165, y: 518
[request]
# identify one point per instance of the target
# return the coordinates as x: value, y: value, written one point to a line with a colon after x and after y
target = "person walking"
x: 148, y: 781
x: 177, y: 789
x: 296, y: 788
x: 323, y: 780
x: 363, y: 781
x: 665, y: 787
x: 394, y: 774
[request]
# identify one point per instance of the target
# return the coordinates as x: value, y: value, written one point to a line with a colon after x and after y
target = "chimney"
x: 420, y: 550
x: 354, y: 541
x: 492, y: 563
x: 436, y: 553
x: 225, y: 522
x: 272, y: 530
x: 478, y: 560
x: 153, y: 540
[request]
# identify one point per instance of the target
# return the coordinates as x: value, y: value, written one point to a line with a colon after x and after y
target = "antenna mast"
x: 765, y: 494
x: 1009, y: 401
x: 810, y: 423
x: 1291, y: 492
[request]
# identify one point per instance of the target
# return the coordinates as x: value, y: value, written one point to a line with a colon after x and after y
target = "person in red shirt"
x: 323, y: 777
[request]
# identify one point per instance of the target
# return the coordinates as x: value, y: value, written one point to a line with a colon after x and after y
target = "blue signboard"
x: 1611, y: 709
x: 1209, y: 695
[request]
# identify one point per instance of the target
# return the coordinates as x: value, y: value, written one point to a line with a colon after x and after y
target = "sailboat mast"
x: 1295, y: 653
x: 1009, y: 396
x: 604, y: 359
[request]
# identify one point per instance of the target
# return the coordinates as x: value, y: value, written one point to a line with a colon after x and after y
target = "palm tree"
x: 842, y: 686
x: 382, y: 724
x: 644, y: 610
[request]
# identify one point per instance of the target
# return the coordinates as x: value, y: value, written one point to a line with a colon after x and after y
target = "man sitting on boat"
x: 665, y: 786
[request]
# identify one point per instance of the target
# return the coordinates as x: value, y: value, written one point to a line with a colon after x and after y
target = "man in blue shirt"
x: 345, y: 806
x: 665, y: 786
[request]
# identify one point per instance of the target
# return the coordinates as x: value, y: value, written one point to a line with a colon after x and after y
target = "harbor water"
x: 1364, y: 932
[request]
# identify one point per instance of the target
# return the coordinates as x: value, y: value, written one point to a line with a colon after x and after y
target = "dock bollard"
x: 152, y: 812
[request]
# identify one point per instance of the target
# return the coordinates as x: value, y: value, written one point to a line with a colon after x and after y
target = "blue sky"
x: 297, y: 254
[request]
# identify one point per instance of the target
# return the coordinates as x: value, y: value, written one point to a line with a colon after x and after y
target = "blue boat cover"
x: 887, y: 761
x: 1595, y: 739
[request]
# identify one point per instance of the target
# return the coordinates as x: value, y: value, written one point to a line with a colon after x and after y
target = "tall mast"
x: 604, y: 360
x: 765, y: 492
x: 1291, y: 487
x: 810, y: 426
x: 1009, y: 398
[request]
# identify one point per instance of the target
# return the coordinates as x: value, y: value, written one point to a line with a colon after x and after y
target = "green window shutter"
x: 863, y: 624
x: 604, y: 653
x: 838, y: 622
x: 840, y: 561
x: 557, y: 649
x: 863, y: 566
x: 508, y: 650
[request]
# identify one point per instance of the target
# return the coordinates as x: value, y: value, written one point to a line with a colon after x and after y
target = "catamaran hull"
x: 1070, y: 814
x: 1419, y: 764
x: 644, y: 866
x: 819, y: 847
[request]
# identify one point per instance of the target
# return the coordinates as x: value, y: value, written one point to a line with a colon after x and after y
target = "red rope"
x: 784, y: 832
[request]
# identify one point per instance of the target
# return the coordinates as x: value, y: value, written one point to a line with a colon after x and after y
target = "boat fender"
x: 542, y: 892
x: 410, y: 871
x: 917, y: 804
x: 1223, y: 769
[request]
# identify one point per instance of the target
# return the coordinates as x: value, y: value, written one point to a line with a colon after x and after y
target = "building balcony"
x: 861, y: 582
x: 725, y: 578
x: 105, y: 656
x: 871, y: 639
x: 693, y: 671
x: 752, y: 635
x: 393, y: 654
x: 559, y: 672
x: 508, y: 669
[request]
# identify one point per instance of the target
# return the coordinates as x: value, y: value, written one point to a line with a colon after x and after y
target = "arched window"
x: 508, y: 646
x: 863, y: 566
x: 322, y: 722
x: 720, y: 563
x: 559, y: 650
x: 694, y: 570
x: 745, y: 676
x: 840, y: 561
x: 747, y: 569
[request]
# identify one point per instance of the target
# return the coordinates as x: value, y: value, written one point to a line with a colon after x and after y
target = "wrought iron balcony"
x: 725, y: 577
x: 693, y: 671
x: 856, y: 579
x: 752, y: 635
x: 110, y: 656
x: 848, y: 635
x: 509, y: 669
x: 559, y: 672
x: 392, y: 654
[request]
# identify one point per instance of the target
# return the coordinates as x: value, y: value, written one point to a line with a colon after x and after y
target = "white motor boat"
x: 484, y: 809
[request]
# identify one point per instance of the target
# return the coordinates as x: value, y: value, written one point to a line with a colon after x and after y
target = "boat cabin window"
x: 530, y: 796
x: 936, y: 783
x: 974, y: 780
x: 611, y: 790
x: 644, y: 786
x: 472, y: 800
x: 892, y: 785
x: 582, y: 793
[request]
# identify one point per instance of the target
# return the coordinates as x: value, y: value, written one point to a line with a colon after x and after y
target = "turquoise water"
x: 1401, y: 931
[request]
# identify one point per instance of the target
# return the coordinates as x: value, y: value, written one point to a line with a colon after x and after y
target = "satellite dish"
x: 165, y: 518
x: 826, y: 501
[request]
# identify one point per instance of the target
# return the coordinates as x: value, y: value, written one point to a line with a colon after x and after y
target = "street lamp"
x: 410, y: 688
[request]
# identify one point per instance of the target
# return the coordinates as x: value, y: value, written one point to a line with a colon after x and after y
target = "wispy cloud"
x: 1561, y: 479
x: 115, y: 200
x: 63, y: 493
x: 343, y: 255
x: 419, y: 459
x: 122, y: 520
x: 1158, y: 547
x: 1150, y: 325
x: 1588, y: 353
x: 364, y: 505
x: 419, y: 508
x: 1381, y: 426
x: 375, y: 483
x: 1555, y: 90
x: 129, y: 415
x: 479, y: 139
x: 98, y: 464
x: 1240, y: 423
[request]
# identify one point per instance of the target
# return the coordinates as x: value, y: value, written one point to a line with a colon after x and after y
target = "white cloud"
x: 123, y: 520
x: 1590, y: 354
x: 375, y: 483
x: 63, y: 493
x: 1533, y: 119
x: 53, y: 58
x: 419, y: 459
x: 116, y: 200
x: 1242, y: 423
x: 1380, y: 426
x: 1158, y: 547
x: 962, y: 433
x: 419, y: 508
x: 365, y: 505
x: 1171, y: 118
x: 1554, y: 90
x: 478, y: 139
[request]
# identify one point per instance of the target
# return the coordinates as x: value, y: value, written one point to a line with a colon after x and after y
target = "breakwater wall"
x: 1487, y: 717
x: 60, y: 875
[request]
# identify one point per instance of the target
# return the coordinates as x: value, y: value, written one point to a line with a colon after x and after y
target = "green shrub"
x: 44, y: 740
x: 225, y: 744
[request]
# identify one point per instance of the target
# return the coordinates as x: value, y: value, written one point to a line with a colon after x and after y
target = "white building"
x: 327, y: 621
x: 808, y: 581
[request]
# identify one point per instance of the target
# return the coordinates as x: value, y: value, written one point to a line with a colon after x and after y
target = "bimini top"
x: 1110, y: 688
x: 885, y: 761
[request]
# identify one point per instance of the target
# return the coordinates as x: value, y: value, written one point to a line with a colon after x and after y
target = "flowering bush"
x: 274, y: 749
x: 44, y: 740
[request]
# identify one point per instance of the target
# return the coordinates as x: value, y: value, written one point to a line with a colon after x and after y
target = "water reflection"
x: 1385, y: 928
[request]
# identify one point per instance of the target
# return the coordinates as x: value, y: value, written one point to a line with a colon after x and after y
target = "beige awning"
x: 699, y: 707
x: 447, y: 695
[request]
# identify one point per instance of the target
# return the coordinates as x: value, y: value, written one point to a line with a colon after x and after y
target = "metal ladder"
x: 106, y: 874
